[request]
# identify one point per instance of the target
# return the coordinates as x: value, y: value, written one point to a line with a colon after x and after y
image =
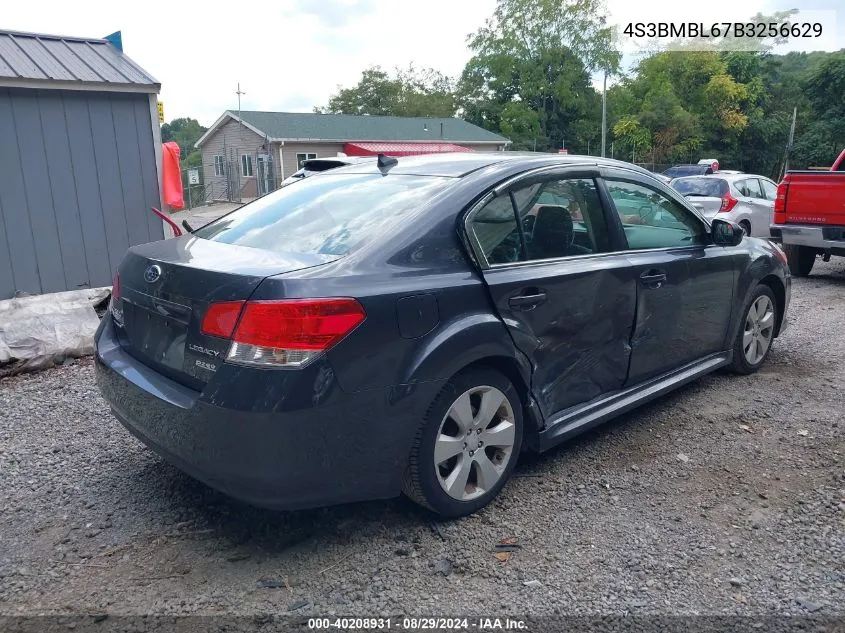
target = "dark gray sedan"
x: 412, y: 325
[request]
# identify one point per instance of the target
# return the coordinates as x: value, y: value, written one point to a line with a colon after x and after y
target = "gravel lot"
x: 727, y: 497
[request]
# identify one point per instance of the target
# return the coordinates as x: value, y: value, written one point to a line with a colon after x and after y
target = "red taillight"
x: 299, y: 324
x: 728, y: 203
x: 780, y: 202
x: 220, y: 318
x: 115, y: 304
x: 285, y: 333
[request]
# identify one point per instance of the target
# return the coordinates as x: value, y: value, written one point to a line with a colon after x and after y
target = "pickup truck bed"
x: 809, y: 216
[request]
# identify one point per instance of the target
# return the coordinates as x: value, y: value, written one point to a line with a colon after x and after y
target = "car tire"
x: 746, y: 226
x: 756, y: 332
x: 801, y: 259
x: 476, y: 405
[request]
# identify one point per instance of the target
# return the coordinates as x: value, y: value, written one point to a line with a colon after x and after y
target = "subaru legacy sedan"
x: 412, y: 325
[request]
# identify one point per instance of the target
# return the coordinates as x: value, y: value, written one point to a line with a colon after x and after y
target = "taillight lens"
x: 116, y: 305
x: 220, y: 318
x: 728, y: 203
x: 780, y: 203
x: 780, y: 254
x: 285, y: 333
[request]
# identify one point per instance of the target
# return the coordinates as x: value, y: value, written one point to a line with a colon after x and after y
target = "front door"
x: 566, y: 297
x: 684, y: 283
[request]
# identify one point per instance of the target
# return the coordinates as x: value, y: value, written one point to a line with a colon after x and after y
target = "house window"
x: 301, y: 158
x: 218, y: 166
x: 246, y: 165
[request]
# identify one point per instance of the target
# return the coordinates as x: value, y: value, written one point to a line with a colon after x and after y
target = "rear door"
x: 760, y: 209
x: 547, y: 246
x: 684, y: 284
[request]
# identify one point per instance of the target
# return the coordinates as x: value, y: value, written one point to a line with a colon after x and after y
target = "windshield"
x: 701, y: 187
x: 332, y: 215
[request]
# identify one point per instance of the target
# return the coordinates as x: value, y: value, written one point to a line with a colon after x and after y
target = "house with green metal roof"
x: 247, y: 154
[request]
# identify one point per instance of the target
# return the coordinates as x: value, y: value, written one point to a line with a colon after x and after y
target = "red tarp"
x: 171, y: 176
x: 400, y: 149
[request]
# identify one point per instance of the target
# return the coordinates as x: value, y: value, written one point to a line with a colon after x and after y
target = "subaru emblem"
x: 152, y: 273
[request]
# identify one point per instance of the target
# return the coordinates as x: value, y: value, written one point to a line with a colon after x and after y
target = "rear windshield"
x: 703, y: 187
x: 687, y: 170
x: 330, y: 215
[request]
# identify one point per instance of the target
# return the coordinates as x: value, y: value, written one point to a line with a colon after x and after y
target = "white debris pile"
x: 43, y: 330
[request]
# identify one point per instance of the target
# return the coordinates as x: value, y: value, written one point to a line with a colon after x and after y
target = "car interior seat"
x: 554, y: 234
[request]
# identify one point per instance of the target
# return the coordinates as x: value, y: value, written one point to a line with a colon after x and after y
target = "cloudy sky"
x: 291, y: 55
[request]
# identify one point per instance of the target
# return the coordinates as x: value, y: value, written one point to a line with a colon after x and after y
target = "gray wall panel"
x: 77, y: 179
x: 146, y: 149
x: 19, y: 243
x: 39, y: 199
x: 63, y: 189
x: 87, y: 189
x: 7, y: 278
x: 131, y: 176
x: 108, y: 171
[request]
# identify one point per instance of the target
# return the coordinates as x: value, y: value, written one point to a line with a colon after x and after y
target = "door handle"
x: 653, y: 278
x: 527, y: 302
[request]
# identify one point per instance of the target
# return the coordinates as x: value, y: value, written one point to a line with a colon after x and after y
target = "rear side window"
x: 750, y: 188
x: 331, y: 215
x: 770, y: 189
x: 701, y: 187
x: 553, y: 218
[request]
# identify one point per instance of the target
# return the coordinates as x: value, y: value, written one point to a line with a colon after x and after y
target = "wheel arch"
x: 779, y: 289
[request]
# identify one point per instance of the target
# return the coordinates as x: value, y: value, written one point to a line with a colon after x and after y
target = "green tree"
x: 535, y: 56
x: 408, y: 92
x: 185, y: 132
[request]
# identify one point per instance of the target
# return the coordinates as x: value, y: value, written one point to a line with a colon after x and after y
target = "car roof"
x: 459, y: 164
x: 729, y: 177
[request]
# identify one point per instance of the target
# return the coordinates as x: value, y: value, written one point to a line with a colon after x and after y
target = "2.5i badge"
x: 203, y: 365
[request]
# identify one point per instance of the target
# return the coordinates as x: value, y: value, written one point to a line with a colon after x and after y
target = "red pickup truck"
x: 809, y: 216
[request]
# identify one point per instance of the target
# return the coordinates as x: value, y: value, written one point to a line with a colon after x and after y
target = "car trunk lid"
x: 166, y: 288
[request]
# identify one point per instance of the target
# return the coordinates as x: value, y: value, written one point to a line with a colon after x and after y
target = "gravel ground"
x: 726, y: 497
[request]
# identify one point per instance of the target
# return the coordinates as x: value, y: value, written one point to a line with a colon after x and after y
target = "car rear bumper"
x: 822, y: 237
x: 355, y: 447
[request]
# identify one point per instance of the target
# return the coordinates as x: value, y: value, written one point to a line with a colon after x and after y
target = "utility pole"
x: 789, y: 143
x: 604, y: 116
x: 611, y: 149
x: 239, y: 93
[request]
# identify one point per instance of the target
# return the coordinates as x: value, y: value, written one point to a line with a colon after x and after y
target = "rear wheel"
x: 754, y: 339
x: 468, y: 445
x: 746, y: 226
x: 801, y: 259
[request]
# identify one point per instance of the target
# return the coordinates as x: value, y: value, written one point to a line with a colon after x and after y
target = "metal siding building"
x: 80, y: 162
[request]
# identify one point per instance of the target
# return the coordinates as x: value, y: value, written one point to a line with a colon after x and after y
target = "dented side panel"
x: 578, y: 337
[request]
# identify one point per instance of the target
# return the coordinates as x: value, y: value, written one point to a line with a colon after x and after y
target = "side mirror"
x: 726, y: 233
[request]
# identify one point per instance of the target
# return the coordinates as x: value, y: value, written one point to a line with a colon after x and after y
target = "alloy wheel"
x: 759, y: 327
x: 474, y: 443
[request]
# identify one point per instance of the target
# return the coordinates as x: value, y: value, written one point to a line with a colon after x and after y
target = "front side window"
x: 652, y: 220
x: 560, y: 217
x: 770, y: 189
x: 246, y: 165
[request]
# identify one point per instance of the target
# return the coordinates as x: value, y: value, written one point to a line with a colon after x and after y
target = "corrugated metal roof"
x: 68, y: 62
x: 355, y: 127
